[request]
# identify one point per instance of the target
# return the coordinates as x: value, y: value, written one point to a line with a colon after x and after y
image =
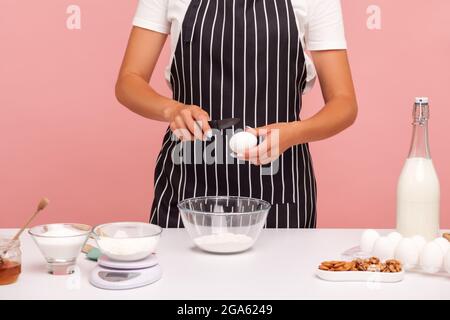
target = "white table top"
x: 281, y: 265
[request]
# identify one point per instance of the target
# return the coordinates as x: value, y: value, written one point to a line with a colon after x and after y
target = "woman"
x: 239, y: 59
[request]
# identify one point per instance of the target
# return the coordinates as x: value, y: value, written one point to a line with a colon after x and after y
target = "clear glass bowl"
x: 60, y: 244
x: 127, y: 241
x: 224, y: 224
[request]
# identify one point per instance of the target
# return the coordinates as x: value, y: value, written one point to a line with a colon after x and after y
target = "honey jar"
x: 10, y: 261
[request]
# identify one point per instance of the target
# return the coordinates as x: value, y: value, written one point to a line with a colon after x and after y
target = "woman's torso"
x: 244, y: 59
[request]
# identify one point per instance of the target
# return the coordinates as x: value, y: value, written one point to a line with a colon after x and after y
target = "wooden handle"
x: 16, y: 237
x: 41, y: 206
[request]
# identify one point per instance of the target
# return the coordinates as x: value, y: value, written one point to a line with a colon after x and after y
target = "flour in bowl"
x: 224, y: 242
x: 61, y: 243
x: 122, y: 248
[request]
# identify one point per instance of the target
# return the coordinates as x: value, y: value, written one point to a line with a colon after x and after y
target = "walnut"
x: 372, y: 264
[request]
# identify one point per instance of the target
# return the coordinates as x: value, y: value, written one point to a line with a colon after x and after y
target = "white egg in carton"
x: 413, y: 252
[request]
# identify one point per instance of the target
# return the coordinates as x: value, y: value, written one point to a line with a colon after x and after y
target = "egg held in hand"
x: 242, y: 141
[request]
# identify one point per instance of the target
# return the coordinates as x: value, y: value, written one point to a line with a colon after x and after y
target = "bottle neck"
x: 420, y: 147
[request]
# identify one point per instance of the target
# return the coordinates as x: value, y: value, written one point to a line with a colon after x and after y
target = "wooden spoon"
x: 41, y: 206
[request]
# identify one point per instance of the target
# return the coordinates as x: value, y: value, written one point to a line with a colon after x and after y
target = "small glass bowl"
x: 127, y: 241
x: 60, y: 244
x: 224, y: 224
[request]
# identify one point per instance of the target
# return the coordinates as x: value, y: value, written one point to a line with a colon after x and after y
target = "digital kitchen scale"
x: 119, y: 275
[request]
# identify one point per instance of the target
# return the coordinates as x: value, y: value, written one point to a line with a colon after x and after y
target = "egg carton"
x: 415, y: 253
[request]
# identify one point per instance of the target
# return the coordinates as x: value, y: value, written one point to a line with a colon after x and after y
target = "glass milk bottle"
x: 418, y: 191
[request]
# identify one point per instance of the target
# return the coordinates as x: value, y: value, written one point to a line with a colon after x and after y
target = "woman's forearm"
x: 137, y: 95
x: 187, y: 122
x: 340, y: 110
x: 338, y: 114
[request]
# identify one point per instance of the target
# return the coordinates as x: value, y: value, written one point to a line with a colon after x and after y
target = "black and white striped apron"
x: 244, y: 59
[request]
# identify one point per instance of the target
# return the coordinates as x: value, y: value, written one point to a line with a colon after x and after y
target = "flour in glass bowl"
x: 224, y: 242
x: 122, y: 248
x: 61, y: 243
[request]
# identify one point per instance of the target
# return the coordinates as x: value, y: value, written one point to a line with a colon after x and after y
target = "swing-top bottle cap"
x: 421, y: 110
x: 421, y: 100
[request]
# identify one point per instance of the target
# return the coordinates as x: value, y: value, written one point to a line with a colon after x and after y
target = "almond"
x: 371, y: 264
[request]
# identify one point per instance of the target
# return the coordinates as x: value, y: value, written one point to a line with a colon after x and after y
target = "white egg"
x: 383, y: 249
x: 368, y: 239
x: 443, y: 244
x: 241, y: 141
x: 431, y: 258
x: 395, y: 238
x: 407, y: 252
x: 447, y: 262
x: 420, y: 242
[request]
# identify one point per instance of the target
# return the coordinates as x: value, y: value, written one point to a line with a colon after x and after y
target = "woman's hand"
x: 189, y: 122
x: 278, y: 137
x: 339, y: 112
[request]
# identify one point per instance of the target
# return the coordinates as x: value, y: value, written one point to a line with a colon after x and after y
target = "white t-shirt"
x: 319, y: 22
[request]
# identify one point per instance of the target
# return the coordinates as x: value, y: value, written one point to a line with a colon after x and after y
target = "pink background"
x: 64, y: 136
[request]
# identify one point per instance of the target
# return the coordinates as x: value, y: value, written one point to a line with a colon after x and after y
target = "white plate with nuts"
x: 361, y: 270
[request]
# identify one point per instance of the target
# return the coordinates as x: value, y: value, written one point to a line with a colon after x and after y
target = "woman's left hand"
x: 278, y: 137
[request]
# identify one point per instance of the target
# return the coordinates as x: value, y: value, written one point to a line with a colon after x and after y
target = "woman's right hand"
x: 189, y: 122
